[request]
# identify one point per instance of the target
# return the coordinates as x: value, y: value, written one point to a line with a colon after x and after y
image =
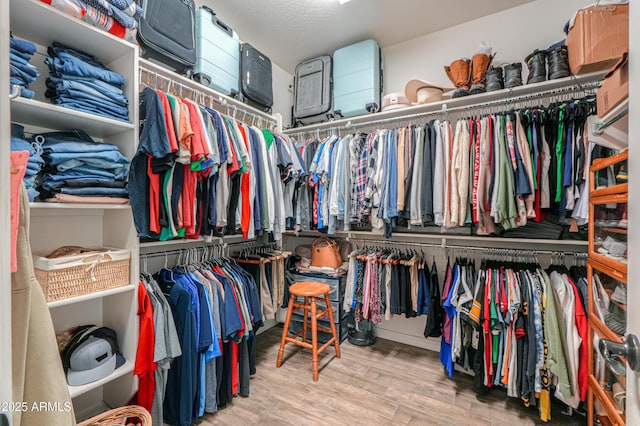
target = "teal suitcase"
x: 217, y: 53
x: 357, y: 79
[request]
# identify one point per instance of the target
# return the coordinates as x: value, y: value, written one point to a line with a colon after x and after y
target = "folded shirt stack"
x: 78, y: 169
x: 125, y: 12
x: 20, y: 143
x: 81, y: 82
x: 22, y: 72
x: 102, y: 18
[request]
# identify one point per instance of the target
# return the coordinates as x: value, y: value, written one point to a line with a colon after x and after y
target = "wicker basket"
x: 119, y: 416
x: 72, y: 276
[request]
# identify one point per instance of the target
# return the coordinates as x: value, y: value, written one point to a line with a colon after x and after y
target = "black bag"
x: 255, y: 78
x: 313, y: 91
x: 167, y: 33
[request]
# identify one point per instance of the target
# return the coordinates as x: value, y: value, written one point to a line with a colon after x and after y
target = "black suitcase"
x: 167, y: 33
x: 255, y: 78
x: 313, y: 91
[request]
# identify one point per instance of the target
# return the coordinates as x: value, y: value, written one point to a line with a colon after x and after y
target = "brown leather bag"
x: 325, y: 253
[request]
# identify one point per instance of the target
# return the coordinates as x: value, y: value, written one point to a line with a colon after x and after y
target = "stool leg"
x: 305, y: 312
x: 314, y: 339
x: 336, y: 342
x: 285, y: 332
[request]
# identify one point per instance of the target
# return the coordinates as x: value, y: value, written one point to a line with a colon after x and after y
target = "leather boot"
x: 459, y: 72
x: 479, y: 65
x: 558, y: 60
x: 513, y: 75
x: 495, y: 79
x: 537, y: 64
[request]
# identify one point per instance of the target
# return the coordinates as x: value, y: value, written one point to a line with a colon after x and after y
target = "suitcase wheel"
x: 338, y: 113
x: 372, y: 107
x: 203, y: 79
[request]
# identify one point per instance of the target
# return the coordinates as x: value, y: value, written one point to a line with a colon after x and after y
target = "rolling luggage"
x: 217, y: 53
x: 255, y: 78
x: 167, y: 33
x: 313, y: 91
x: 357, y: 79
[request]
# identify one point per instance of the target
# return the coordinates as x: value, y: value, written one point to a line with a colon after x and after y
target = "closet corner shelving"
x: 90, y: 225
x: 607, y: 272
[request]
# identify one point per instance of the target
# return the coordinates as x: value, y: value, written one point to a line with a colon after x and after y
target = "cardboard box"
x: 598, y: 38
x: 615, y: 86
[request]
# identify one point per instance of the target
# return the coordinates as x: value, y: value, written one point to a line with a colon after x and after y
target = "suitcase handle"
x: 216, y: 21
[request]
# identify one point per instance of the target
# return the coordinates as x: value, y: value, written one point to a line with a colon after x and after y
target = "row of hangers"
x: 255, y: 252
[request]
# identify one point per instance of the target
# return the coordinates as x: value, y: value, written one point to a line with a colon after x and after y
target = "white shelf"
x: 43, y: 24
x: 446, y: 105
x: 91, y: 296
x: 76, y: 206
x: 611, y: 130
x: 452, y: 240
x: 42, y: 114
x: 227, y: 239
x: 76, y: 391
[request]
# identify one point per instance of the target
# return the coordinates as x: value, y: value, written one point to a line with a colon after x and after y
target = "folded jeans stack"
x: 98, y: 18
x: 20, y: 143
x: 78, y: 169
x: 81, y: 82
x: 22, y: 72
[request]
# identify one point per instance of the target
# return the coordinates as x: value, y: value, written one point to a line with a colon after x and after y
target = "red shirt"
x: 145, y: 366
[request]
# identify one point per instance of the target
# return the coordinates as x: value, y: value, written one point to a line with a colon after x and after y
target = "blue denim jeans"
x: 56, y: 48
x: 22, y: 45
x: 63, y: 136
x: 70, y: 65
x: 55, y: 158
x: 91, y: 162
x: 20, y: 54
x: 104, y: 110
x: 74, y: 147
x: 27, y: 73
x: 88, y: 89
x: 90, y: 190
x: 32, y: 193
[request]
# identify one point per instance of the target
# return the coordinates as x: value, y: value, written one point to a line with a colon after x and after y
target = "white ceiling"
x: 290, y: 31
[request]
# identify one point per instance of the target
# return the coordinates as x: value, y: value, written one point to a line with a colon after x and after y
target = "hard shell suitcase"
x: 255, y: 78
x: 313, y: 91
x: 167, y: 33
x: 217, y: 53
x: 357, y: 79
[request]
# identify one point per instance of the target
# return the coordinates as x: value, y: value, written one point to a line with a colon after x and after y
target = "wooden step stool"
x: 312, y: 292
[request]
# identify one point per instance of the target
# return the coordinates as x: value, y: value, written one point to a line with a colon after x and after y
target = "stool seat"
x: 311, y: 291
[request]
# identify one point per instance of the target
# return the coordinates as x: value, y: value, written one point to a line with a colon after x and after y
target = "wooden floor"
x: 388, y: 383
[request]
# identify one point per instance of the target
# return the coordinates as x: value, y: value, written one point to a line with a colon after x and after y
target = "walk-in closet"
x: 319, y: 212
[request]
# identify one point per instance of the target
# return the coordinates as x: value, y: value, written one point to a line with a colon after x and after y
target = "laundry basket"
x: 76, y: 275
x: 120, y: 416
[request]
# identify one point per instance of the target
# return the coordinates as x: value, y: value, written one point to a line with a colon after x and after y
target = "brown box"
x: 615, y: 86
x: 598, y: 38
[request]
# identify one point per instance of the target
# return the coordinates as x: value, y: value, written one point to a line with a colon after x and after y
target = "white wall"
x: 513, y: 34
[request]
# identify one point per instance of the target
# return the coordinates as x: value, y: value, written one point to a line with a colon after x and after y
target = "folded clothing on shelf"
x: 20, y: 143
x: 22, y: 72
x: 103, y: 17
x: 81, y: 82
x: 76, y: 165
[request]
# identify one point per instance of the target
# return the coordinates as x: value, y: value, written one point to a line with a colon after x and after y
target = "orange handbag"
x: 325, y: 253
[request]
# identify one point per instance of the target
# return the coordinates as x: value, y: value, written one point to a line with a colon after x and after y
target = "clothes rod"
x: 444, y: 111
x: 201, y: 93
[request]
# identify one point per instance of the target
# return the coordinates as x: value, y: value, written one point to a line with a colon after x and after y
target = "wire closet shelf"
x: 487, y: 103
